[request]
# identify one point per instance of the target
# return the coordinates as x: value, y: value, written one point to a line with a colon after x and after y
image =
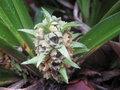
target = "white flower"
x: 54, y: 39
x: 39, y: 33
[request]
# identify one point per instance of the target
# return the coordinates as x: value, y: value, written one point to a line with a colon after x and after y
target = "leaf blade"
x: 101, y: 33
x: 64, y: 74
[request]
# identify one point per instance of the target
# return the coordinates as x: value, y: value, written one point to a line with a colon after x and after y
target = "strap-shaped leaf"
x: 64, y: 52
x: 68, y: 25
x: 7, y: 35
x: 78, y: 45
x: 23, y: 14
x: 41, y: 58
x: 101, y: 33
x: 7, y: 76
x: 64, y: 74
x: 84, y: 6
x: 28, y: 31
x: 70, y: 62
x: 14, y: 15
x: 115, y: 8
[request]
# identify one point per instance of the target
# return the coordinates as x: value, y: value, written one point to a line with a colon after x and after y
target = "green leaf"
x: 40, y: 59
x: 64, y: 74
x: 81, y: 51
x: 78, y: 45
x: 14, y: 16
x: 75, y: 35
x: 39, y: 15
x: 7, y: 77
x: 46, y: 15
x: 7, y: 35
x: 46, y: 28
x: 84, y: 6
x: 104, y: 7
x: 64, y: 52
x: 101, y: 33
x: 7, y: 47
x: 68, y: 25
x: 23, y: 13
x: 34, y: 60
x: 28, y: 31
x: 70, y: 62
x: 12, y: 51
x: 115, y: 8
x: 16, y: 65
x: 95, y: 10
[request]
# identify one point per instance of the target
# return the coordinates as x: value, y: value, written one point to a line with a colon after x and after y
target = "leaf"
x: 68, y: 25
x: 16, y: 65
x: 7, y: 35
x: 101, y: 33
x: 14, y: 16
x: 95, y: 10
x: 12, y: 51
x: 84, y: 6
x: 104, y: 7
x: 34, y: 60
x: 115, y: 8
x: 46, y: 15
x: 70, y: 62
x: 39, y: 15
x: 46, y: 29
x: 40, y: 59
x: 64, y: 74
x: 64, y: 52
x: 23, y: 13
x: 8, y: 76
x: 78, y: 45
x: 7, y: 47
x: 75, y: 35
x: 28, y: 31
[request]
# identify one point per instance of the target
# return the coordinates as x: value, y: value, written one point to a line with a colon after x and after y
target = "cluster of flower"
x: 49, y: 43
